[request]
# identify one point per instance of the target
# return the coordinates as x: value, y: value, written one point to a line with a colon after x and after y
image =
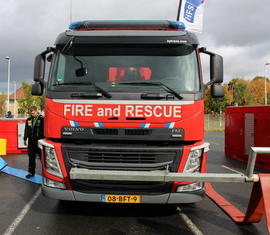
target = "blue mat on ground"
x: 18, y: 172
x: 3, y: 164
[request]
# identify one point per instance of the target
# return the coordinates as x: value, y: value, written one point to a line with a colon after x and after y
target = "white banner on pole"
x: 191, y: 14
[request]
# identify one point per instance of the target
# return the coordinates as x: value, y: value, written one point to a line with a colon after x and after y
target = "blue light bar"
x: 76, y: 25
x: 177, y: 25
x: 131, y: 24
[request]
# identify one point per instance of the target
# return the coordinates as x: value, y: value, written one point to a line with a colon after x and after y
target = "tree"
x: 29, y: 100
x: 217, y: 105
x: 256, y: 90
x: 3, y: 99
x: 240, y: 91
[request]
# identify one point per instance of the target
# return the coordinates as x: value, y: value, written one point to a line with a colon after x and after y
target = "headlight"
x: 193, y: 165
x: 51, y: 162
x: 194, y: 161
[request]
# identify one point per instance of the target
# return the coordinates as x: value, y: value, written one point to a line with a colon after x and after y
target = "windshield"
x: 109, y: 67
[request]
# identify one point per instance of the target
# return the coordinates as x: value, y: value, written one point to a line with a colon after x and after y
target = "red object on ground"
x: 259, y: 203
x: 9, y: 131
x: 247, y: 126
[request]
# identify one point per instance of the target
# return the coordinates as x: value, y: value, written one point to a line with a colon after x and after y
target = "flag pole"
x: 70, y: 11
x: 179, y: 10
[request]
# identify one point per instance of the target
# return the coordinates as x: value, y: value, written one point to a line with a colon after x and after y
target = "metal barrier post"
x: 251, y: 163
x: 252, y: 158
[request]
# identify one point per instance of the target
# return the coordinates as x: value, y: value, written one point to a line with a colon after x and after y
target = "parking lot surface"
x: 24, y: 210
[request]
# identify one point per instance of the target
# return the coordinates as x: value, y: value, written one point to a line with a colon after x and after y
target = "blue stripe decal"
x: 168, y: 125
x: 76, y: 123
x: 100, y: 124
x: 103, y: 198
x: 18, y: 172
x: 143, y: 125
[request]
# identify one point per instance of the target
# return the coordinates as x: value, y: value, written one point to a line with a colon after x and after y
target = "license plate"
x: 121, y: 198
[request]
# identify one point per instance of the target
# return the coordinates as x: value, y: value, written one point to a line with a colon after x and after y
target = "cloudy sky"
x: 237, y: 29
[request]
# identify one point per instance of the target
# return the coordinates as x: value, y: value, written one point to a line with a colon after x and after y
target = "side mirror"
x: 39, y: 69
x: 217, y: 91
x: 216, y: 68
x: 37, y: 89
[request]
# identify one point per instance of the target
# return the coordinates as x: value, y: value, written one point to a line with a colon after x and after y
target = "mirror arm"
x: 43, y: 84
x: 208, y: 84
x: 204, y: 50
x: 216, y: 67
x: 48, y: 50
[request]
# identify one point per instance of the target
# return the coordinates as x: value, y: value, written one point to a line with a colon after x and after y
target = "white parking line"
x: 192, y: 227
x: 233, y: 170
x: 22, y: 214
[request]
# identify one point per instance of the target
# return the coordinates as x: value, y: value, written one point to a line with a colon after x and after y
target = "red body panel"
x: 254, y: 131
x: 189, y: 116
x: 9, y: 131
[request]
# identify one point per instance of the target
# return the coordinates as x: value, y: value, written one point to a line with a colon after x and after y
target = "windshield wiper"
x: 165, y: 87
x: 86, y: 95
x: 99, y: 89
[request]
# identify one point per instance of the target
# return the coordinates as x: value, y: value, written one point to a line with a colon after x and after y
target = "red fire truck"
x: 124, y: 98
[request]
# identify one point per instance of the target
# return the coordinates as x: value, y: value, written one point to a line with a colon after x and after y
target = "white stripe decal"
x: 172, y: 125
x: 96, y: 124
x: 169, y: 125
x: 145, y: 125
x: 73, y: 123
x: 150, y: 102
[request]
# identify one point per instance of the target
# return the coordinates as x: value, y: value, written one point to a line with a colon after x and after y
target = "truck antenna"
x: 179, y: 10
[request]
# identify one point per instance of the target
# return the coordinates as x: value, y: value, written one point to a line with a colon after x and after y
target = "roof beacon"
x: 88, y: 25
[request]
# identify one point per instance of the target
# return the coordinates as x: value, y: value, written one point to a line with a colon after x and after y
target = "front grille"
x: 137, y: 132
x: 98, y: 131
x: 123, y: 159
x: 128, y: 132
x: 116, y: 157
x: 140, y: 157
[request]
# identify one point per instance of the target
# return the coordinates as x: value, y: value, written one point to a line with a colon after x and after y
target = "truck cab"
x: 124, y: 96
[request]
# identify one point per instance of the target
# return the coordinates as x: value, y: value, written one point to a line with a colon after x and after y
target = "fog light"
x: 190, y: 187
x: 53, y: 184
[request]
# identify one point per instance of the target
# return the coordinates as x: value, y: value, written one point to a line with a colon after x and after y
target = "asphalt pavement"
x: 24, y: 210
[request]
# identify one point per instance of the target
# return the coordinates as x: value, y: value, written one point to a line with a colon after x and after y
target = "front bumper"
x: 167, y: 198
